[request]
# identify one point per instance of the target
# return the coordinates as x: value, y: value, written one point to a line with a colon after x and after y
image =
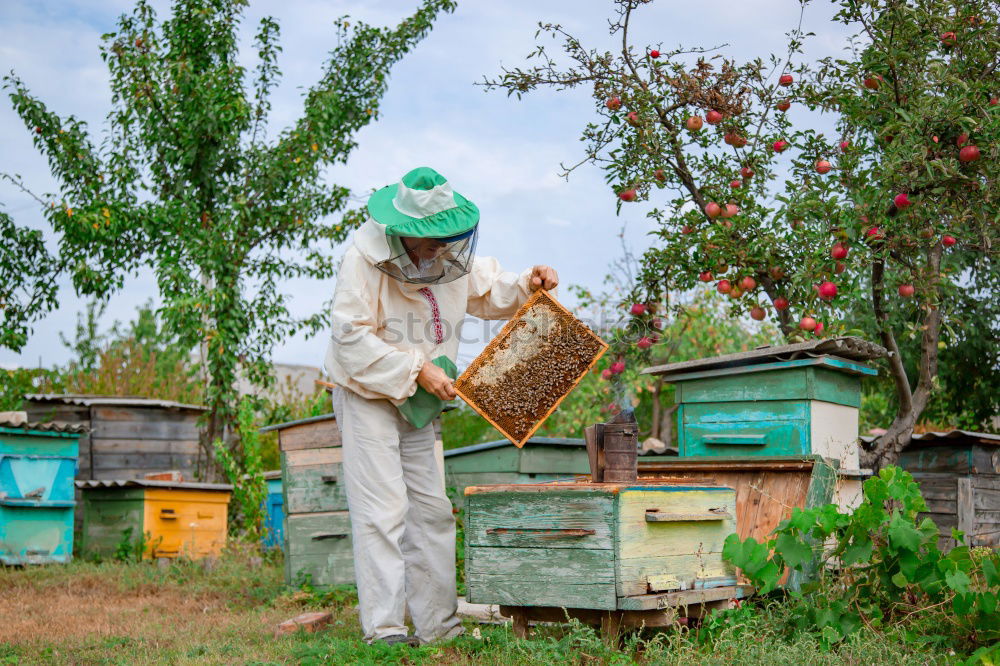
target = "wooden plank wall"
x: 128, y: 442
x: 77, y: 414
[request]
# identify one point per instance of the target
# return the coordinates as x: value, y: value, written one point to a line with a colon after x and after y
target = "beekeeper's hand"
x: 544, y: 277
x: 434, y: 380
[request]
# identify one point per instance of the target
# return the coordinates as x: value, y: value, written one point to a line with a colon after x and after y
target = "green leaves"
x: 188, y: 184
x: 875, y: 566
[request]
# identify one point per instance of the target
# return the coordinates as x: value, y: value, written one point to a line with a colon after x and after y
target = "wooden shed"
x: 541, y: 459
x: 128, y: 437
x: 959, y: 477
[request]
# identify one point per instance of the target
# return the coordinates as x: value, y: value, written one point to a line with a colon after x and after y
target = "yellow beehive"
x: 172, y: 519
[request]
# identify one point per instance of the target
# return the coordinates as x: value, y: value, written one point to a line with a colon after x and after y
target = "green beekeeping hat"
x: 423, y: 205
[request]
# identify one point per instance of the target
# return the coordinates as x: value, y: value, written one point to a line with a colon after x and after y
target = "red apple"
x: 687, y: 229
x: 838, y: 251
x: 875, y: 234
x: 807, y: 324
x: 839, y: 268
x: 607, y: 374
x: 747, y: 173
x: 906, y: 290
x: 748, y: 283
x: 779, y: 146
x: 902, y: 201
x: 632, y: 118
x: 969, y: 153
x: 776, y: 272
x: 873, y: 81
x: 713, y: 117
x: 654, y: 54
x: 781, y: 303
x: 961, y: 139
x: 644, y: 343
x: 797, y: 224
x: 713, y: 210
x: 844, y: 145
x: 724, y: 287
x: 730, y: 210
x: 785, y: 80
x: 628, y: 195
x: 783, y: 105
x: 948, y: 241
x: 735, y: 293
x: 736, y: 184
x: 38, y: 130
x: 694, y: 123
x: 948, y: 38
x: 618, y: 367
x: 818, y: 329
x: 757, y: 312
x: 822, y: 166
x: 638, y: 309
x: 659, y: 325
x: 705, y: 276
x: 659, y: 175
x: 613, y: 104
x: 726, y: 223
x: 827, y: 291
x: 994, y: 101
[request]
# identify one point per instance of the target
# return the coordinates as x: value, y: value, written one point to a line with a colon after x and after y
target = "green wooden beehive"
x: 317, y: 528
x: 541, y: 459
x: 788, y: 400
x: 595, y: 545
x: 37, y: 466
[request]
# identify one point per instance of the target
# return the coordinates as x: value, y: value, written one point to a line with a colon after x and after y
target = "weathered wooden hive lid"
x: 144, y: 483
x: 108, y: 401
x: 500, y: 443
x: 950, y: 438
x: 846, y: 348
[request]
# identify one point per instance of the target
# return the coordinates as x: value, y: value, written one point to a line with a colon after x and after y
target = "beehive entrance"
x: 527, y: 370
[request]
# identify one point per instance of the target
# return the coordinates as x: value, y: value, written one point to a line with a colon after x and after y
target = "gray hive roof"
x: 945, y: 438
x: 52, y: 426
x: 143, y: 483
x: 109, y: 401
x: 848, y: 348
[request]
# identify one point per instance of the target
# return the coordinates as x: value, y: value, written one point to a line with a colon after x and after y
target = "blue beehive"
x: 37, y: 469
x: 274, y: 519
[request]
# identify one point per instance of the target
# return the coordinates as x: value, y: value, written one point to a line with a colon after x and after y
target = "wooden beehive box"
x: 317, y: 528
x: 37, y: 464
x: 172, y: 519
x: 545, y: 459
x: 601, y: 546
x: 529, y: 367
x: 959, y: 477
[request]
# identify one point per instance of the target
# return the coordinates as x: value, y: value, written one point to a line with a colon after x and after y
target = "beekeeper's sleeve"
x: 362, y: 360
x: 495, y: 293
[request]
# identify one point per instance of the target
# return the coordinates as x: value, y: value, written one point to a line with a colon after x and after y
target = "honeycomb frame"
x: 538, y: 352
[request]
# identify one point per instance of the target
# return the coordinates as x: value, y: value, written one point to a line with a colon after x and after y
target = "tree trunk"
x: 911, y: 404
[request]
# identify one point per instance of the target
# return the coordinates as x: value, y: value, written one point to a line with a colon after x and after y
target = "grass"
x: 136, y: 613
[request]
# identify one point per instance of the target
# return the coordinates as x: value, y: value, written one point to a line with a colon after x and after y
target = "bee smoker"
x: 613, y: 449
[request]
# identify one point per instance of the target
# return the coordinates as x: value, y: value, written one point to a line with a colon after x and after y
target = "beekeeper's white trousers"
x: 401, y: 521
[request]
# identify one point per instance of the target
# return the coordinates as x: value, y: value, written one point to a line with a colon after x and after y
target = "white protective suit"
x: 401, y: 520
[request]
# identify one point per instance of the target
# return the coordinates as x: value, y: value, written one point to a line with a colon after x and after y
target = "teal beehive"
x: 37, y: 469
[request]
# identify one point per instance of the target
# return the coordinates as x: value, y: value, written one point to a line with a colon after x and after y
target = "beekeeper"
x: 403, y: 290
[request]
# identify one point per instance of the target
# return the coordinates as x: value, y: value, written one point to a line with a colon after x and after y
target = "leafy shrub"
x: 878, y: 567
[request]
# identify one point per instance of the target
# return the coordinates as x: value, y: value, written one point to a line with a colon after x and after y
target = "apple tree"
x: 189, y: 182
x: 869, y: 230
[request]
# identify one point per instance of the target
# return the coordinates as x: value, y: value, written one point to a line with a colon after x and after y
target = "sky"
x: 502, y: 153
